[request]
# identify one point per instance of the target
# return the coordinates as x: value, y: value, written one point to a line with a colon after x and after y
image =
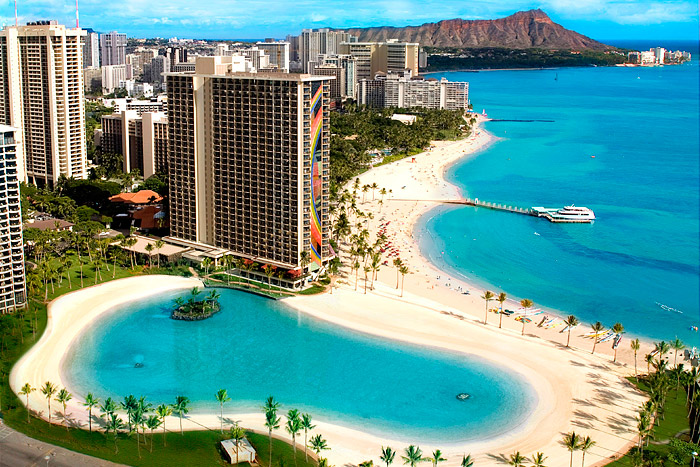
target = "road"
x: 18, y: 450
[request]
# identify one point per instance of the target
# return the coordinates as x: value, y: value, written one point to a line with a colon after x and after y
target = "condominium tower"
x: 12, y: 281
x: 249, y: 162
x: 41, y: 93
x: 91, y: 50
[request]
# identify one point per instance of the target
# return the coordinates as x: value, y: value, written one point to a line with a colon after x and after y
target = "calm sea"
x: 639, y: 262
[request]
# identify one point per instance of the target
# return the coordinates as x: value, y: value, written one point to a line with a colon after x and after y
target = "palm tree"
x: 48, y: 390
x: 108, y: 407
x: 597, y: 328
x: 677, y: 345
x: 526, y: 303
x: 538, y: 460
x: 306, y: 426
x: 369, y: 463
x: 572, y: 442
x: 403, y: 270
x: 63, y: 397
x: 238, y: 433
x: 467, y: 461
x: 90, y: 402
x: 180, y: 406
x: 388, y: 455
x: 649, y: 358
x: 437, y: 458
x: 304, y: 259
x: 222, y: 398
x: 158, y: 244
x: 272, y: 422
x: 397, y: 264
x: 293, y: 427
x: 488, y: 296
x: 366, y: 269
x: 617, y: 328
x: 130, y: 404
x: 26, y: 390
x: 662, y: 348
x: 115, y: 424
x: 635, y: 348
x: 517, y: 459
x: 413, y: 455
x: 571, y: 322
x: 586, y: 444
x: 164, y: 410
x: 501, y: 298
x: 153, y: 422
x: 149, y: 248
x: 318, y: 444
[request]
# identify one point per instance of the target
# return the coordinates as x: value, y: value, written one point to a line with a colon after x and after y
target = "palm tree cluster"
x: 518, y: 460
x: 413, y: 455
x: 197, y: 309
x: 295, y: 424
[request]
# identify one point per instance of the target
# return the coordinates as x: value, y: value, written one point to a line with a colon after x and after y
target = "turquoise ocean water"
x: 641, y: 124
x: 256, y: 347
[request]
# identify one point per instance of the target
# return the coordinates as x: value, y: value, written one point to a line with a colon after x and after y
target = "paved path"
x: 18, y: 450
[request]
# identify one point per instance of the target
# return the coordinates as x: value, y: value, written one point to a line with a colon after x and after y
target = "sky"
x: 257, y: 19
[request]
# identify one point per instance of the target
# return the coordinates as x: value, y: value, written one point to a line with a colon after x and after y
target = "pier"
x: 538, y: 211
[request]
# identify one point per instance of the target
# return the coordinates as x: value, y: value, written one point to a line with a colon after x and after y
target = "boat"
x: 462, y: 396
x: 571, y: 213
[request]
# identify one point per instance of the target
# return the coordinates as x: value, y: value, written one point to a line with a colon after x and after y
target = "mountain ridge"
x: 521, y: 30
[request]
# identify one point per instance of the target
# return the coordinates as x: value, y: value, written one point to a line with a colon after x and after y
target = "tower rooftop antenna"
x: 16, y: 22
x: 77, y: 19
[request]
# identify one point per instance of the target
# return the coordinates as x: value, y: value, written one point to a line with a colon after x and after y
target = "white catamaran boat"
x: 566, y: 214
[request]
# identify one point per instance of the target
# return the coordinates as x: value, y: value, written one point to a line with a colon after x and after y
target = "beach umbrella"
x: 524, y: 320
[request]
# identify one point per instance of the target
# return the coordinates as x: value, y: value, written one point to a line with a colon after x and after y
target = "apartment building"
x: 12, y: 278
x: 278, y: 53
x: 91, y: 50
x: 315, y: 42
x: 391, y: 56
x: 141, y: 140
x: 249, y: 162
x: 42, y: 94
x: 114, y: 75
x: 112, y: 49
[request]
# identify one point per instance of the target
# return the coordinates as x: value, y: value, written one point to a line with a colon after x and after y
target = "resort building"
x: 112, y: 49
x: 154, y: 104
x: 347, y: 78
x: 394, y: 90
x: 142, y: 140
x: 12, y: 279
x: 249, y: 162
x: 42, y: 94
x: 113, y: 77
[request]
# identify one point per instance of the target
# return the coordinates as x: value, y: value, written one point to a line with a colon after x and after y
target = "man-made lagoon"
x: 257, y: 347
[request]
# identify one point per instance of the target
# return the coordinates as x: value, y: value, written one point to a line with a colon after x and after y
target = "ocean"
x: 621, y: 141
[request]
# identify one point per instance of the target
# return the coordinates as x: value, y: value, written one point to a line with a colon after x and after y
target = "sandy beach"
x: 575, y: 390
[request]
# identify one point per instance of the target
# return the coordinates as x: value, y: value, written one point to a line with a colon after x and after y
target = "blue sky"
x: 599, y: 19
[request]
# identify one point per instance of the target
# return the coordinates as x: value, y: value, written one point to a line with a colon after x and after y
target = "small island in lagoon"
x: 196, y: 310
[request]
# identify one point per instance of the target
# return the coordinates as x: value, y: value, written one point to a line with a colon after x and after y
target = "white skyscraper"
x: 12, y: 282
x: 42, y: 94
x: 278, y: 53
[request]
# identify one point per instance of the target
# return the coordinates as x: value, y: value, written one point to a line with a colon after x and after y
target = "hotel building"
x: 12, y: 281
x: 41, y: 93
x: 382, y: 57
x: 249, y: 162
x: 394, y: 90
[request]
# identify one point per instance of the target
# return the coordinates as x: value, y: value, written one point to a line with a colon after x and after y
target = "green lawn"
x: 194, y: 448
x: 674, y: 421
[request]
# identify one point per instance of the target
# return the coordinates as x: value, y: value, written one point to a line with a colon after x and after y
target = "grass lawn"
x: 194, y: 448
x: 675, y: 421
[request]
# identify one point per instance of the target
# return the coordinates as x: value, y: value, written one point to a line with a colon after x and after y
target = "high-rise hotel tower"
x: 42, y: 94
x: 249, y: 162
x: 12, y: 282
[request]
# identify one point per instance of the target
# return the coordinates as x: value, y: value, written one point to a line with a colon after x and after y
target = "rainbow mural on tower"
x: 316, y: 170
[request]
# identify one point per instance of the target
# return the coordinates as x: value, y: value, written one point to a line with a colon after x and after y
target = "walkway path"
x: 18, y: 450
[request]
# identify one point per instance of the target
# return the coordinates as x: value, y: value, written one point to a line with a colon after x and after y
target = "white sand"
x: 575, y: 390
